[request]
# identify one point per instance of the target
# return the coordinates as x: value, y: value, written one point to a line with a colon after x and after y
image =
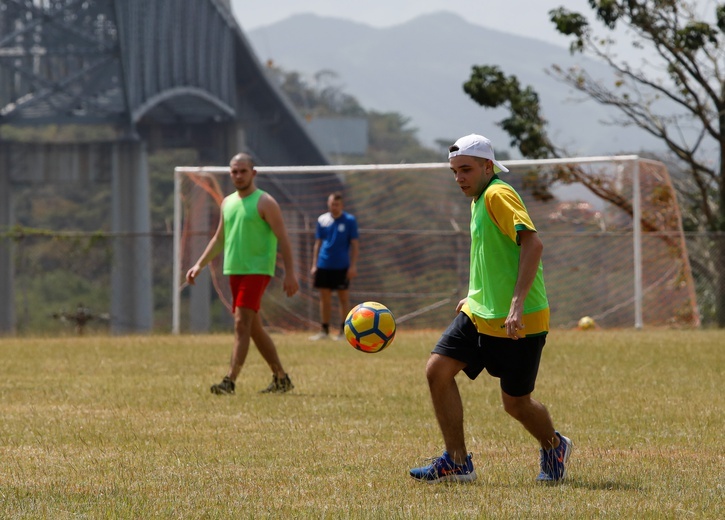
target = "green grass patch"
x: 125, y: 427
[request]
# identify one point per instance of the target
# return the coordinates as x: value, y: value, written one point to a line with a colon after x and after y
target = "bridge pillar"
x: 131, y: 279
x: 217, y: 144
x: 7, y: 265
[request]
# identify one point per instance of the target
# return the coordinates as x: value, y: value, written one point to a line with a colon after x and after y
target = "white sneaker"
x: 319, y: 336
x: 337, y: 337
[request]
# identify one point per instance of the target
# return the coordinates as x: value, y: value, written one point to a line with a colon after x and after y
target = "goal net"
x: 613, y: 243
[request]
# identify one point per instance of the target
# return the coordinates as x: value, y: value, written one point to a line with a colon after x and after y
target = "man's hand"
x: 192, y: 273
x: 515, y: 322
x: 290, y: 285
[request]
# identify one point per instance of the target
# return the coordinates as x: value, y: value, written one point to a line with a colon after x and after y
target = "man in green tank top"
x: 500, y: 326
x: 250, y: 229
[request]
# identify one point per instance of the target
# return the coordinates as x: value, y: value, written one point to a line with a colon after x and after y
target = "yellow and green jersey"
x: 496, y: 218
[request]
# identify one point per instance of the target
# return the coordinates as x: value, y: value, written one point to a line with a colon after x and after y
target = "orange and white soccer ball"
x: 370, y: 327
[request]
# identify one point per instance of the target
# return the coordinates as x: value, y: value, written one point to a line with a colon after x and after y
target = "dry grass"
x: 125, y: 427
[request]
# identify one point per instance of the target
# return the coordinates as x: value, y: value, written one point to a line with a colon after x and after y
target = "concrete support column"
x: 131, y: 273
x: 7, y: 264
x: 219, y: 140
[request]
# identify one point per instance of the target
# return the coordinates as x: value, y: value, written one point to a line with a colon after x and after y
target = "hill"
x: 418, y: 69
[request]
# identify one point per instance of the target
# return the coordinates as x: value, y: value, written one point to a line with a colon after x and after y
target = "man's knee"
x: 243, y: 320
x: 442, y: 368
x: 516, y: 407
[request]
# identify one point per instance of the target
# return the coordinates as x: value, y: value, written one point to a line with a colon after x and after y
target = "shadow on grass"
x: 607, y: 485
x: 604, y: 485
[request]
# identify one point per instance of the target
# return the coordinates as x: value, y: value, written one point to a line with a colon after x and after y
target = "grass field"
x: 125, y: 427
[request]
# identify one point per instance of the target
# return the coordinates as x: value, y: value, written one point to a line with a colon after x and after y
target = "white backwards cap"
x: 477, y: 146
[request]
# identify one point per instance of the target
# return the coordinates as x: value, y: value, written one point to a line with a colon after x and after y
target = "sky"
x: 521, y: 17
x: 528, y: 18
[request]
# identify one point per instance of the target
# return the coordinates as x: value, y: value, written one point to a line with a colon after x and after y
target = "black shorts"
x: 514, y: 362
x: 335, y: 279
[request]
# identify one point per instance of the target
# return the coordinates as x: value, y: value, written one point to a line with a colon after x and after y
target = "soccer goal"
x: 613, y: 242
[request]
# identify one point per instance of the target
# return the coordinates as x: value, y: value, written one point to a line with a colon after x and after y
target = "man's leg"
x: 555, y: 448
x: 344, y: 296
x: 325, y: 312
x: 533, y: 416
x: 441, y: 372
x: 243, y: 319
x: 281, y: 382
x: 325, y: 305
x: 266, y: 347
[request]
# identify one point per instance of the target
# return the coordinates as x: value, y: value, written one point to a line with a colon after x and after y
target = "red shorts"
x: 247, y: 290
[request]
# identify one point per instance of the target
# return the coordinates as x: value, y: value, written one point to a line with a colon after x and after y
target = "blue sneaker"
x: 443, y: 469
x: 553, y: 461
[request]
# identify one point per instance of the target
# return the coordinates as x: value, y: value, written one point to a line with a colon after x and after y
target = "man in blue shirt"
x: 334, y: 261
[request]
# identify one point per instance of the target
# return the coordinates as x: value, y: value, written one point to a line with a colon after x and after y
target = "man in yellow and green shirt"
x: 500, y: 326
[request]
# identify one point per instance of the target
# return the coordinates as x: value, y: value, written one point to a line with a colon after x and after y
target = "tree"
x: 321, y: 97
x: 676, y: 94
x: 391, y: 139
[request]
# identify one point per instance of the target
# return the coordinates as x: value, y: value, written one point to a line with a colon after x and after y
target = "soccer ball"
x: 586, y: 323
x: 370, y: 327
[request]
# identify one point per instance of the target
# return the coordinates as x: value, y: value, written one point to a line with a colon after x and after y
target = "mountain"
x: 418, y: 69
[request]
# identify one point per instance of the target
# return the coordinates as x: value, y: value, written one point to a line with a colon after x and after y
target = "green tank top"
x: 495, y: 267
x: 250, y: 246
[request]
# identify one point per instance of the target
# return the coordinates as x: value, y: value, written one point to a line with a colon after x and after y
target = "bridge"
x: 162, y: 73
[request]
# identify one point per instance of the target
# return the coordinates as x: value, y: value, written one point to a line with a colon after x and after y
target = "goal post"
x: 614, y: 244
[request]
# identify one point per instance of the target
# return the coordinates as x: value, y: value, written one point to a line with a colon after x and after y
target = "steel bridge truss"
x: 160, y: 73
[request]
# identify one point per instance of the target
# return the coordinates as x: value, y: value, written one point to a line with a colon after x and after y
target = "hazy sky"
x: 521, y: 17
x: 531, y: 16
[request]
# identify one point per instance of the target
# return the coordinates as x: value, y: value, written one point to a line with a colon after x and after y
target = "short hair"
x: 241, y: 156
x: 336, y: 195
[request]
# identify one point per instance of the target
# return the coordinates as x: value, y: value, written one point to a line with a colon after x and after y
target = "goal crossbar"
x: 635, y: 160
